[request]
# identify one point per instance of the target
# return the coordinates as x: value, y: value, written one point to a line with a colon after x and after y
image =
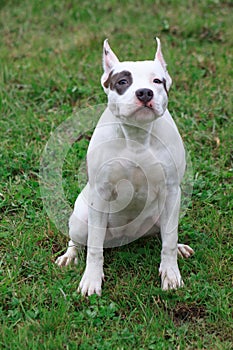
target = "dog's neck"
x: 138, y: 137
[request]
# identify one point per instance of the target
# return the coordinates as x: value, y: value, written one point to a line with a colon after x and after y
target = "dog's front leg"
x: 169, y: 270
x: 97, y: 223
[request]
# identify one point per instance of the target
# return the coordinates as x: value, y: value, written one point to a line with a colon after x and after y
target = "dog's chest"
x: 141, y: 176
x: 136, y: 177
x: 137, y: 185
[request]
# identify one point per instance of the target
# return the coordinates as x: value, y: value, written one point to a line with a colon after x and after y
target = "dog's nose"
x: 144, y: 95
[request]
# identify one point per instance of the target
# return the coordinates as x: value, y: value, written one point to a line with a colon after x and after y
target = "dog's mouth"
x: 146, y: 106
x: 140, y: 112
x: 144, y: 113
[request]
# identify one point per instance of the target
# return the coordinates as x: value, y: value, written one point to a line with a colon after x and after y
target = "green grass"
x: 50, y: 68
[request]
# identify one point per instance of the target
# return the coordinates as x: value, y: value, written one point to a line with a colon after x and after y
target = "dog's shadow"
x: 137, y: 260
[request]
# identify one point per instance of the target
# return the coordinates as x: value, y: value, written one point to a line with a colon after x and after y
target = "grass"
x: 50, y: 68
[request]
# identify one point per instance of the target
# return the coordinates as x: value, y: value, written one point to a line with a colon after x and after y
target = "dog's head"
x: 137, y: 91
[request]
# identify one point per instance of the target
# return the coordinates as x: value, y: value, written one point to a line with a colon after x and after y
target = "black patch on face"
x: 165, y: 85
x: 119, y: 81
x: 107, y: 82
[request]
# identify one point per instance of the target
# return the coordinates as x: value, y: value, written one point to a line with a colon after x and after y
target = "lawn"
x: 50, y: 70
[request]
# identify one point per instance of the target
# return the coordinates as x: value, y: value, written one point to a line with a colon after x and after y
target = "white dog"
x: 136, y: 161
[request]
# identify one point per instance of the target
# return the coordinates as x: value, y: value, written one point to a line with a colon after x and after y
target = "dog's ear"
x: 159, y: 57
x: 109, y: 61
x: 109, y: 57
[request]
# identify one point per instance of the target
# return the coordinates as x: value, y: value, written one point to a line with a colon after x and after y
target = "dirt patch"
x: 187, y: 313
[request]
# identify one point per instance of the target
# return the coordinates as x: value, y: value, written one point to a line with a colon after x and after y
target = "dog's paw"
x: 170, y: 277
x: 68, y: 258
x: 91, y: 283
x: 185, y: 251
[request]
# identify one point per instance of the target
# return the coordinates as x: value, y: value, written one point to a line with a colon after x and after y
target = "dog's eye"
x: 157, y: 81
x: 122, y: 82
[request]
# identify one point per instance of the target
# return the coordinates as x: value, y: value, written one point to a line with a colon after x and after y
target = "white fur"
x: 136, y: 161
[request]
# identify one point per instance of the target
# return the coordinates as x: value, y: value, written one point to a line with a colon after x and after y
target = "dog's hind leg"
x: 185, y: 251
x: 69, y: 257
x: 78, y: 229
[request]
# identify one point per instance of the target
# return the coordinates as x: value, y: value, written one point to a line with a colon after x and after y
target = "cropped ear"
x: 109, y: 57
x: 159, y: 57
x: 109, y: 61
